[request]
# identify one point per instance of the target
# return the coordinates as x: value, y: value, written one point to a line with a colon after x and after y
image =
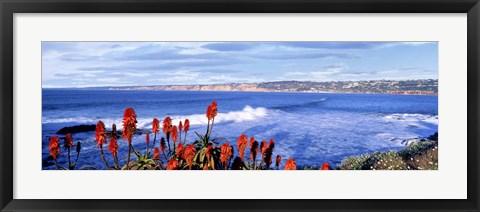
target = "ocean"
x: 311, y: 127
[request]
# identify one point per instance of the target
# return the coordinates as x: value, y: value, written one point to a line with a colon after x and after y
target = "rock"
x: 91, y: 127
x: 77, y: 129
x: 410, y: 141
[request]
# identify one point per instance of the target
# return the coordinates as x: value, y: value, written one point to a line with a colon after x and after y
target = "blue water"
x: 311, y: 127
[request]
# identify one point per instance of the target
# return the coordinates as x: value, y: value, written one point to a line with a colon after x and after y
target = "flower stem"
x: 168, y: 141
x: 76, y: 160
x: 185, y: 139
x: 174, y: 152
x: 211, y: 128
x: 115, y: 160
x: 146, y: 151
x: 154, y: 139
x: 165, y: 154
x: 103, y: 157
x: 206, y: 134
x: 129, y: 152
x: 261, y: 162
x: 69, y: 163
x: 56, y: 164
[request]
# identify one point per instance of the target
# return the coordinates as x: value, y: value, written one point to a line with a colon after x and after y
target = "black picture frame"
x: 9, y: 7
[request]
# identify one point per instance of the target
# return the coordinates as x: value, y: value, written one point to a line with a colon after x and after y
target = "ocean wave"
x: 412, y: 117
x: 248, y: 113
x: 298, y: 106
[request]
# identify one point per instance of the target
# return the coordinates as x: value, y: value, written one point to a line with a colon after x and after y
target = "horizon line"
x: 117, y: 86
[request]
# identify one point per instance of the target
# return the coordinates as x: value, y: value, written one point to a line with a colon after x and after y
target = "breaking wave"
x: 248, y: 113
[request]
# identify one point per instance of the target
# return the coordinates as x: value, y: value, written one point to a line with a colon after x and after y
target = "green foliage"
x: 418, y: 155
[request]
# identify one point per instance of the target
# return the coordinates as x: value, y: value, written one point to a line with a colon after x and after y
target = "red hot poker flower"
x: 180, y: 126
x: 167, y: 123
x: 269, y: 152
x: 271, y: 144
x: 54, y: 147
x: 163, y: 145
x: 186, y: 127
x: 263, y: 147
x: 189, y: 154
x: 113, y: 146
x: 290, y: 164
x: 225, y: 153
x: 242, y: 144
x: 180, y: 149
x: 155, y: 125
x: 209, y: 112
x: 100, y: 136
x: 214, y: 109
x: 277, y: 162
x: 172, y: 164
x: 253, y: 149
x: 129, y: 123
x: 174, y: 133
x: 325, y: 166
x: 68, y: 141
x: 147, y: 138
x: 156, y: 154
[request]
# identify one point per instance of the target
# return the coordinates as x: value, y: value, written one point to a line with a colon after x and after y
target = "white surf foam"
x: 248, y: 113
x: 412, y: 117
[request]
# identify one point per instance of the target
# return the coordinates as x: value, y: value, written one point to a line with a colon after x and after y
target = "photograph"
x: 239, y: 105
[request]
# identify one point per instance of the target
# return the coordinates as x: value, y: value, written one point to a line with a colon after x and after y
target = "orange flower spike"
x: 209, y: 112
x: 186, y: 126
x: 113, y: 146
x: 225, y: 153
x: 68, y: 141
x: 174, y: 133
x: 278, y: 160
x: 129, y: 123
x: 253, y: 149
x: 172, y: 164
x: 163, y: 145
x: 290, y: 164
x: 271, y: 144
x: 100, y: 136
x: 269, y: 152
x: 325, y: 166
x: 242, y: 144
x: 189, y: 154
x: 263, y: 147
x: 180, y: 126
x: 155, y: 125
x: 147, y: 138
x: 252, y: 139
x: 179, y: 150
x: 167, y: 124
x: 214, y: 109
x: 54, y: 147
x: 156, y: 154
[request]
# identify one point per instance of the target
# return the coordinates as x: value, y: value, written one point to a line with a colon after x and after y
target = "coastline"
x: 239, y: 91
x: 309, y: 92
x: 400, y: 87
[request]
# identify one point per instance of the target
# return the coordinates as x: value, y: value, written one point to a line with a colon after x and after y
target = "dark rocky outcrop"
x: 77, y: 129
x: 91, y: 128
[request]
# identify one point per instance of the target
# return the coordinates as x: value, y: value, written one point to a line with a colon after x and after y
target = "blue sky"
x: 87, y: 64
